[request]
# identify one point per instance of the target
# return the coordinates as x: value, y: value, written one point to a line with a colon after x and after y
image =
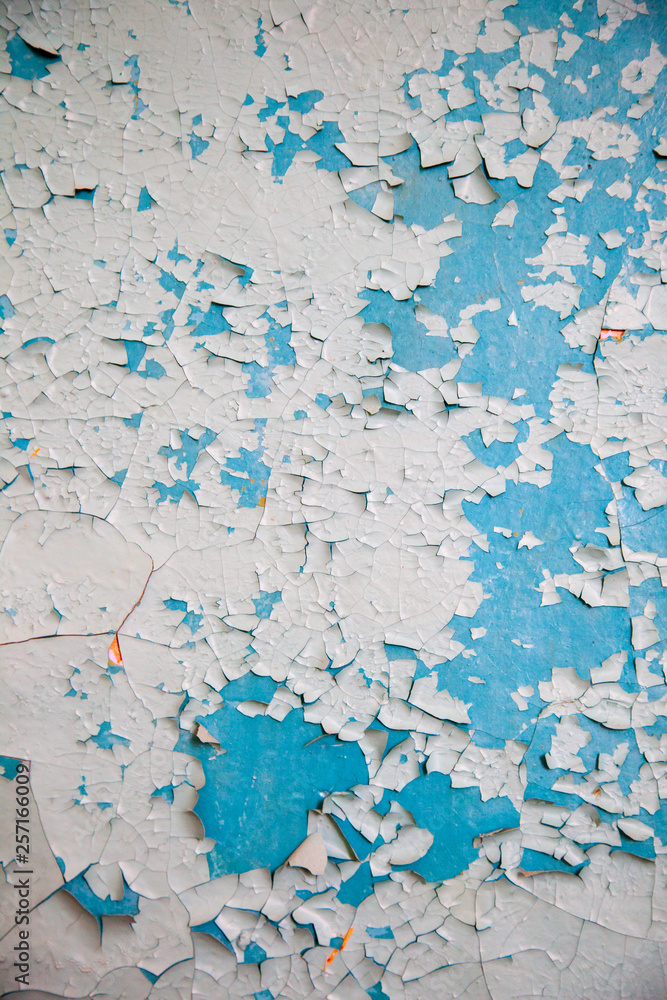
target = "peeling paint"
x: 334, y: 479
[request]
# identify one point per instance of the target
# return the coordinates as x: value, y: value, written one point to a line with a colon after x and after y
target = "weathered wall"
x: 333, y: 498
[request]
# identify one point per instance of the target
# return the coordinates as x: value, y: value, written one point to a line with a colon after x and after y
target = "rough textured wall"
x: 333, y: 499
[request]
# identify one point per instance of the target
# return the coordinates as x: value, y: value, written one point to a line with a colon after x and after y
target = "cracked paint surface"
x: 333, y: 498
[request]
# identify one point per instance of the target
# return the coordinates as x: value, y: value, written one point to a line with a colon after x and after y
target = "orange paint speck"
x: 607, y: 334
x: 336, y: 950
x: 33, y: 453
x: 114, y: 653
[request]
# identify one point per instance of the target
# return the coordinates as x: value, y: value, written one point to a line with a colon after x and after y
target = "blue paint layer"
x: 257, y: 794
